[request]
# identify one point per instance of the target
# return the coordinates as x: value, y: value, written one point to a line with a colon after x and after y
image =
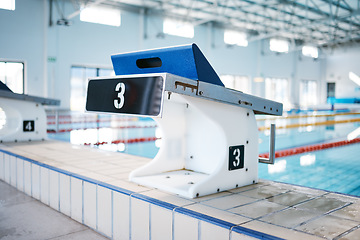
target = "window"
x: 278, y: 45
x: 101, y: 15
x: 277, y: 89
x: 12, y: 74
x: 7, y: 4
x: 235, y: 38
x: 240, y: 83
x: 79, y: 80
x: 308, y: 93
x: 178, y: 28
x: 310, y: 51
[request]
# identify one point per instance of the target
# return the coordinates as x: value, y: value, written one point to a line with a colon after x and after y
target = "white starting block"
x: 209, y: 133
x: 25, y: 117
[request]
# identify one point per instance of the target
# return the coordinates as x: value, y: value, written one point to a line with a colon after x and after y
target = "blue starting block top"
x: 185, y: 61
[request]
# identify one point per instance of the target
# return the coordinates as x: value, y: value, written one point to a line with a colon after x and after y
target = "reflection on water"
x: 278, y: 167
x: 307, y: 160
x: 354, y: 134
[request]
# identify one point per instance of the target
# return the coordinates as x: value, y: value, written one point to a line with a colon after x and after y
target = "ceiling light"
x: 235, y: 38
x: 310, y: 51
x: 278, y: 45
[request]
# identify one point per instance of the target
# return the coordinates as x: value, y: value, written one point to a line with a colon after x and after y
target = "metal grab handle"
x: 271, y: 158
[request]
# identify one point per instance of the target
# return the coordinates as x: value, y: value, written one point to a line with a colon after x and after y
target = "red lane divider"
x: 310, y: 148
x: 122, y: 127
x: 131, y: 140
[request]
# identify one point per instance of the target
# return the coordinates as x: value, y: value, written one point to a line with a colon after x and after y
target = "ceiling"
x: 323, y: 23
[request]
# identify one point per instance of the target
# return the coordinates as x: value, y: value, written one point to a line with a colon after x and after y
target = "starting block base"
x: 207, y: 147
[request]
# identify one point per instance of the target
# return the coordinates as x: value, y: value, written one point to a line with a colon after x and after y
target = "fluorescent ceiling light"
x: 355, y: 78
x: 235, y: 38
x: 7, y: 4
x: 278, y: 45
x: 101, y: 15
x: 178, y: 28
x: 310, y: 51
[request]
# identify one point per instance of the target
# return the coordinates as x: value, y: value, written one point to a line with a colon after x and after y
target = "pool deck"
x: 91, y: 186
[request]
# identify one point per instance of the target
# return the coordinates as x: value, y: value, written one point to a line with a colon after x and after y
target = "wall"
x: 22, y: 37
x: 26, y: 35
x: 339, y: 63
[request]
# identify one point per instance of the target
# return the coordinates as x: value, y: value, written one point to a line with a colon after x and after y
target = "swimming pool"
x: 335, y: 169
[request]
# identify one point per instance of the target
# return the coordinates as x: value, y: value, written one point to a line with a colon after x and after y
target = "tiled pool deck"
x: 91, y: 186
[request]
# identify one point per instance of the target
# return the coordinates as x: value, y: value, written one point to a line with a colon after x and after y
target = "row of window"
x: 277, y: 89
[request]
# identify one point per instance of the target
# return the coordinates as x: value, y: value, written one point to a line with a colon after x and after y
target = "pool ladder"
x: 271, y: 158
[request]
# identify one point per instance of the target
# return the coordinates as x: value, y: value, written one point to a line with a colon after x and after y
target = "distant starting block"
x: 209, y: 133
x: 25, y: 117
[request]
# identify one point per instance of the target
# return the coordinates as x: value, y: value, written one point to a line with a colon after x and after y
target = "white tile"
x: 217, y: 213
x: 7, y: 174
x: 13, y: 171
x: 185, y: 227
x: 65, y: 194
x: 27, y: 177
x: 104, y: 208
x: 121, y: 213
x: 54, y: 190
x: 139, y: 219
x: 2, y: 168
x: 210, y: 231
x: 20, y: 174
x: 231, y: 201
x: 90, y: 204
x: 161, y: 223
x: 273, y: 230
x: 35, y: 175
x: 76, y: 199
x: 44, y: 185
x: 239, y: 236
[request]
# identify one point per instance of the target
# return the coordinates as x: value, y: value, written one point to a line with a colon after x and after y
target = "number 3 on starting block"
x: 236, y: 157
x: 120, y: 88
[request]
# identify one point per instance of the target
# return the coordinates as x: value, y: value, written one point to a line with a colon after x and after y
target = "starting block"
x: 209, y: 132
x: 25, y: 117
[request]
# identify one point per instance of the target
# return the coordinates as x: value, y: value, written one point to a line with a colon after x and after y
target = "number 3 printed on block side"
x: 236, y: 153
x: 120, y: 88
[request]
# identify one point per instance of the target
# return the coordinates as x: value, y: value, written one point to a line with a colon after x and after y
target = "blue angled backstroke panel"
x: 185, y: 61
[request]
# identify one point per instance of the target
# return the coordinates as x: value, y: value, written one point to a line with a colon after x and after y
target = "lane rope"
x: 308, y: 116
x: 310, y: 148
x: 127, y: 141
x: 296, y: 125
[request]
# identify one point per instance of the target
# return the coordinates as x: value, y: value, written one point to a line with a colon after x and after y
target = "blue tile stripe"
x: 255, y: 234
x: 169, y: 206
x: 225, y: 224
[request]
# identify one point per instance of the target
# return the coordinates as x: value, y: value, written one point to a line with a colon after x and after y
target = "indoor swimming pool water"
x: 335, y: 169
